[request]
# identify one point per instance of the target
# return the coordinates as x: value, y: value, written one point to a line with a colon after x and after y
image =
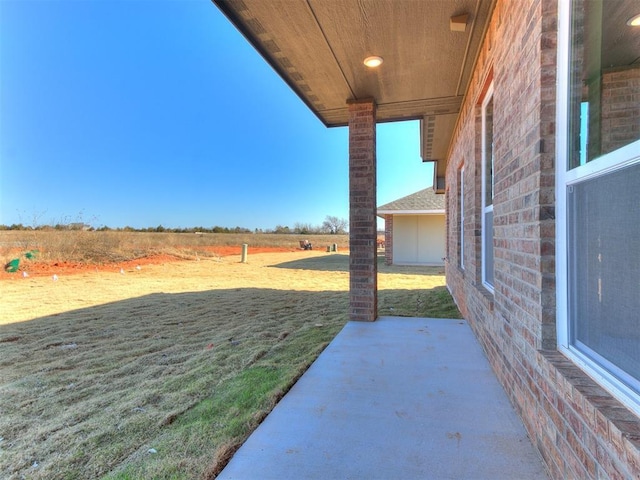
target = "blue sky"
x: 147, y: 113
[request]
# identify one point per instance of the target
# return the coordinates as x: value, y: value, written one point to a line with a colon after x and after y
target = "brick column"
x: 363, y: 265
x: 388, y: 239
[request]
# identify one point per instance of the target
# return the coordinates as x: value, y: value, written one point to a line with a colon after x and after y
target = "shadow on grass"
x: 139, y: 375
x: 339, y: 262
x: 332, y: 262
x: 434, y: 302
x: 91, y: 391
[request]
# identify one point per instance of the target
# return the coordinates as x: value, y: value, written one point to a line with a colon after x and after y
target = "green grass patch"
x: 435, y: 302
x: 199, y: 442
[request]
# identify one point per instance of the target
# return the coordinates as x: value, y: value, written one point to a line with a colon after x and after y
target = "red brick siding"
x: 456, y: 228
x: 363, y: 235
x: 620, y: 113
x: 580, y: 430
x: 388, y: 239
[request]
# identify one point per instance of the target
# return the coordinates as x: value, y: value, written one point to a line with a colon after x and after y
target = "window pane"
x: 605, y: 79
x: 488, y: 247
x: 604, y: 270
x: 488, y: 153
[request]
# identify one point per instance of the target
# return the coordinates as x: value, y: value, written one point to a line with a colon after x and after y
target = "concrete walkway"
x: 400, y: 398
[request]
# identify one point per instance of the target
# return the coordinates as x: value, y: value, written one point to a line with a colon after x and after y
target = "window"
x: 487, y: 189
x: 461, y: 214
x: 598, y: 192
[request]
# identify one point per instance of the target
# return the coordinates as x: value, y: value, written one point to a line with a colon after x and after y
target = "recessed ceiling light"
x: 373, y: 62
x: 634, y: 21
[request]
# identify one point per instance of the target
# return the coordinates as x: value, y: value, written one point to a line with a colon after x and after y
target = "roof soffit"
x: 317, y: 46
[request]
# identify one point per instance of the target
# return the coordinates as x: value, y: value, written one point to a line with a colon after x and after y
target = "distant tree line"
x: 57, y: 226
x: 331, y: 225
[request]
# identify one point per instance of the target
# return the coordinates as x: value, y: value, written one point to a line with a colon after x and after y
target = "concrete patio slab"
x: 400, y: 398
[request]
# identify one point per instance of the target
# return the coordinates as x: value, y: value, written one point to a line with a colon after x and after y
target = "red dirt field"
x: 69, y: 268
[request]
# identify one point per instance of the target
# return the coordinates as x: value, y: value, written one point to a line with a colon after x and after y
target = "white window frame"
x: 620, y: 158
x: 461, y: 253
x: 486, y: 208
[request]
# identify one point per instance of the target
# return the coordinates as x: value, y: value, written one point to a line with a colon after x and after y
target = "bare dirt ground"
x: 40, y: 268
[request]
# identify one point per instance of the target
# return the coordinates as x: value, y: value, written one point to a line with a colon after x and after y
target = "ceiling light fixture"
x: 634, y: 21
x: 373, y: 61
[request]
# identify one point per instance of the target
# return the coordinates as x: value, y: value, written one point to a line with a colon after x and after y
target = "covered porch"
x: 358, y: 63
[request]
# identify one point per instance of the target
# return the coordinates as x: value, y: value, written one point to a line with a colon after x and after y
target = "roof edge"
x: 410, y: 212
x: 236, y: 21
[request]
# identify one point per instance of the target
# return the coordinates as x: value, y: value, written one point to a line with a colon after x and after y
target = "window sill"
x: 486, y: 294
x: 598, y: 405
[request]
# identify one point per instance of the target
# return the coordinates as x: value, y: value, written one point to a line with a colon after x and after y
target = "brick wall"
x: 388, y: 239
x: 620, y: 108
x: 363, y: 235
x: 580, y: 430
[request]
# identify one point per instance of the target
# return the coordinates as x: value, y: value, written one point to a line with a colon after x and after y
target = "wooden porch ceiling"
x: 318, y: 48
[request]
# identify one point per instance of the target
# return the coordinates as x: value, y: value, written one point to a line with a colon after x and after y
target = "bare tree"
x: 334, y: 225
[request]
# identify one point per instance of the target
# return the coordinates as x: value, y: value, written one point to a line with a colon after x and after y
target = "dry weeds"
x: 118, y: 246
x: 98, y: 369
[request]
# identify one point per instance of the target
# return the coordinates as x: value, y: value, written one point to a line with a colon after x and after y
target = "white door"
x: 418, y: 239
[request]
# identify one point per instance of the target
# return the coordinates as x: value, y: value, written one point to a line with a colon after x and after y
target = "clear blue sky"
x: 144, y: 113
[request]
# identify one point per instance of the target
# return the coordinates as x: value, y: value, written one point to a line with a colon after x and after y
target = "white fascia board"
x: 410, y: 212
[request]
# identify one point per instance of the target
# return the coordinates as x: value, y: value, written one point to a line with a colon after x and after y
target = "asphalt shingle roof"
x: 426, y: 199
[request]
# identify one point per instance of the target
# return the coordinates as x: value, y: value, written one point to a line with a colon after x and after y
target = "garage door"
x: 418, y: 239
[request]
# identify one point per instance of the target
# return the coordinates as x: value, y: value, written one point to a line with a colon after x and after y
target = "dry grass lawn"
x: 161, y: 372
